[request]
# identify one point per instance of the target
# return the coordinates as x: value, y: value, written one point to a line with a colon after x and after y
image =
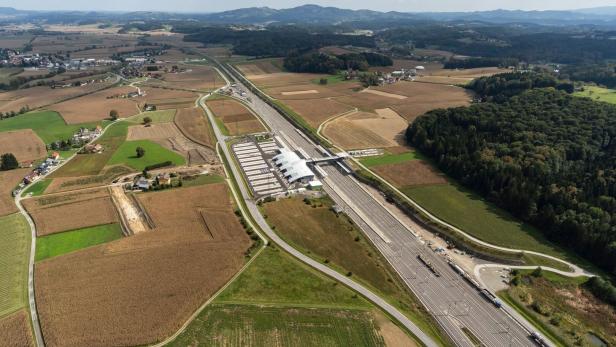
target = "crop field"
x: 69, y: 241
x: 162, y: 116
x: 261, y: 67
x: 95, y: 107
x: 197, y: 77
x: 106, y: 294
x: 481, y: 219
x: 8, y: 181
x: 563, y: 309
x: 15, y: 330
x: 310, y: 90
x: 24, y: 144
x: 165, y: 99
x: 56, y: 213
x: 75, y: 41
x: 410, y: 173
x: 154, y: 132
x: 366, y: 130
x: 233, y: 325
x: 93, y: 163
x: 317, y: 112
x: 598, y: 93
x: 154, y: 154
x: 48, y: 125
x: 285, y: 79
x: 235, y: 116
x: 14, y: 256
x: 36, y: 97
x: 14, y: 41
x: 106, y: 52
x: 390, y: 158
x: 195, y: 126
x: 107, y: 175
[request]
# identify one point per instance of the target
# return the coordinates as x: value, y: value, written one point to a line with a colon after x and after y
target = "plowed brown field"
x: 36, y: 97
x: 61, y: 212
x: 15, y: 330
x: 317, y: 112
x: 236, y: 117
x: 24, y: 144
x: 410, y: 173
x: 194, y: 125
x: 96, y: 106
x: 140, y: 289
x: 8, y: 181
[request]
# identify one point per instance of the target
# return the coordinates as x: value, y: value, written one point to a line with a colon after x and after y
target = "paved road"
x: 258, y: 217
x: 453, y: 302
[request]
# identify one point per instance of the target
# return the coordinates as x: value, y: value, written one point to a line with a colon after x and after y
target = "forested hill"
x: 544, y: 155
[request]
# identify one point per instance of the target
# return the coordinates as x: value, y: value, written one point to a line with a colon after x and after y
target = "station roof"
x: 292, y: 166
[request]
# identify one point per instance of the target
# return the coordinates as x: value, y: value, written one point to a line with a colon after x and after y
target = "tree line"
x: 317, y: 62
x: 547, y: 157
x: 502, y: 86
x: 475, y: 62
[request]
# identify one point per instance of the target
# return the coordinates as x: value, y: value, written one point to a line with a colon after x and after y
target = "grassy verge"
x: 312, y: 227
x: 389, y: 159
x: 61, y: 243
x: 14, y: 255
x: 154, y: 154
x: 37, y: 188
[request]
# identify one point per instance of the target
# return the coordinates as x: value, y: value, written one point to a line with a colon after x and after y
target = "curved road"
x: 258, y: 217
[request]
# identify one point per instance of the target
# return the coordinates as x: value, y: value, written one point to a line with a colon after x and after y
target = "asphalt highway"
x: 457, y: 306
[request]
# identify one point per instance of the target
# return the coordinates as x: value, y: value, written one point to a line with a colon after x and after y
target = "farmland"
x: 51, y: 213
x: 316, y: 113
x: 194, y: 125
x: 563, y: 308
x: 24, y: 144
x: 107, y: 175
x: 65, y: 242
x: 110, y: 288
x: 332, y: 238
x: 165, y: 99
x: 8, y: 181
x: 98, y: 106
x: 154, y: 154
x: 280, y: 300
x: 162, y: 116
x: 237, y: 119
x: 389, y: 158
x: 410, y: 173
x: 195, y: 77
x: 16, y: 329
x: 37, y: 188
x: 48, y: 125
x: 14, y: 251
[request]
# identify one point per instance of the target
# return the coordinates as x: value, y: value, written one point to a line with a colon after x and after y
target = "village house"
x: 163, y: 178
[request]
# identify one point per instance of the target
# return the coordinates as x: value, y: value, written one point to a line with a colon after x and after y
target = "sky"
x: 381, y: 5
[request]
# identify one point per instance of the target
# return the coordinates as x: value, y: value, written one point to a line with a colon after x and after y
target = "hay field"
x: 36, y: 97
x: 236, y: 117
x: 14, y: 256
x: 195, y: 126
x: 57, y: 213
x: 8, y: 181
x: 410, y: 173
x: 261, y: 67
x: 165, y: 99
x: 154, y: 132
x: 198, y: 77
x: 107, y: 175
x: 317, y: 112
x: 107, y: 294
x: 15, y: 330
x: 96, y: 106
x: 24, y: 144
x: 385, y: 128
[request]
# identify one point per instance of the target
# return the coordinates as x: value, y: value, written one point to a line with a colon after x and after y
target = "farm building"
x: 292, y: 167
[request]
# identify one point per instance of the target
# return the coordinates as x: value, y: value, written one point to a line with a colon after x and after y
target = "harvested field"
x: 15, y: 330
x: 336, y: 50
x: 316, y: 113
x: 106, y: 176
x: 158, y: 131
x: 197, y: 77
x: 98, y: 106
x: 165, y: 99
x: 235, y: 116
x: 107, y: 295
x: 306, y: 91
x: 410, y: 173
x: 299, y: 92
x: 56, y: 213
x: 284, y: 79
x: 106, y: 52
x: 261, y: 67
x: 369, y: 102
x: 367, y: 130
x: 195, y: 126
x: 14, y: 256
x: 24, y: 144
x: 382, y: 93
x: 36, y: 97
x: 9, y: 180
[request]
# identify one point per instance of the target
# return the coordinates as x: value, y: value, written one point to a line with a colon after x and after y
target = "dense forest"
x: 470, y: 63
x: 275, y: 41
x: 546, y: 156
x: 603, y: 74
x: 501, y: 86
x: 316, y: 62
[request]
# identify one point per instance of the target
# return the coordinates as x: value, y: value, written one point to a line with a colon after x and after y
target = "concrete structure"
x: 293, y: 167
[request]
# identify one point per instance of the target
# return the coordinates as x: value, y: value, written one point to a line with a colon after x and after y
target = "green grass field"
x: 389, y: 159
x: 481, y: 219
x: 598, y: 93
x: 37, y: 188
x: 275, y: 278
x: 331, y: 79
x: 162, y: 116
x: 245, y: 325
x: 48, y: 125
x: 92, y: 164
x: 154, y: 154
x: 69, y: 241
x: 14, y: 255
